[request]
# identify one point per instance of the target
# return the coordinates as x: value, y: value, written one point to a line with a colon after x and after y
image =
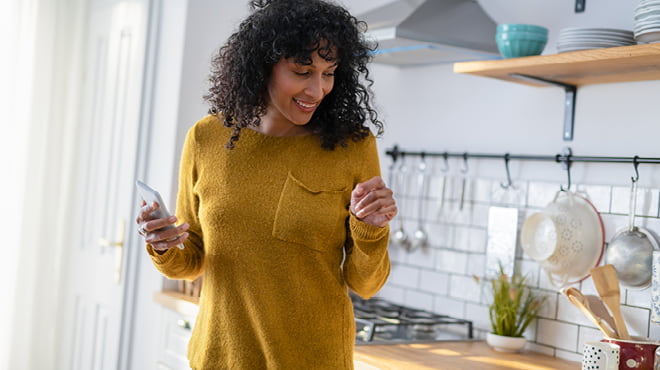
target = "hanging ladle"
x: 444, y: 171
x: 399, y: 237
x: 509, y: 183
x: 464, y: 172
x: 420, y: 237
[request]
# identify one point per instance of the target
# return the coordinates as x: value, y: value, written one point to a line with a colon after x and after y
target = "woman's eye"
x: 301, y: 73
x: 332, y: 74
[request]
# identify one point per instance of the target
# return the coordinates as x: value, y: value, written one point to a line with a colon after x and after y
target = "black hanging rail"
x: 564, y: 157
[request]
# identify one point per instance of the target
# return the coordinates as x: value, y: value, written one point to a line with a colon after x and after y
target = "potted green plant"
x: 513, y: 308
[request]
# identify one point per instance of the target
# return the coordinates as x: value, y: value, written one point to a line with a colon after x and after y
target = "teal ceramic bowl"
x: 521, y: 36
x: 520, y: 40
x: 519, y: 27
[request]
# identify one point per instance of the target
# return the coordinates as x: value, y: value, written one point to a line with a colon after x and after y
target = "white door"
x: 109, y: 125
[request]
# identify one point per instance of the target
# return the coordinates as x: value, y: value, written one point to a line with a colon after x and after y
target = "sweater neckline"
x: 261, y: 136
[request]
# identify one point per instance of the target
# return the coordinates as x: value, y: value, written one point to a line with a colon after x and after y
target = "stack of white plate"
x: 647, y: 21
x: 576, y: 38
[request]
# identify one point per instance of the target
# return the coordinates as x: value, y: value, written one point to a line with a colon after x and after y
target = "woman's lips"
x: 306, y: 107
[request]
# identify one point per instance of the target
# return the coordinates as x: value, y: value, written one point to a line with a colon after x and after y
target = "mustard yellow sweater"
x: 271, y: 232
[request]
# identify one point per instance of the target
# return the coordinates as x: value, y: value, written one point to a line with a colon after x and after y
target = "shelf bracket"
x: 569, y: 101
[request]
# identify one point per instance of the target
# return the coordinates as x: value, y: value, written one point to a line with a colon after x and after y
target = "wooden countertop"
x: 452, y: 355
x: 178, y: 302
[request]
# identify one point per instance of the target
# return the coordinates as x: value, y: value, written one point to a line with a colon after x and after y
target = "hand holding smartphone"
x: 151, y: 195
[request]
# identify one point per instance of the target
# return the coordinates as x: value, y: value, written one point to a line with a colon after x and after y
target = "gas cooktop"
x: 378, y: 321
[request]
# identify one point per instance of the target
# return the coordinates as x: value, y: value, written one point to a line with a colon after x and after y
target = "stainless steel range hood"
x: 414, y: 32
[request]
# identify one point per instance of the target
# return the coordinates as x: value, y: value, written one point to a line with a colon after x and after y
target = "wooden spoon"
x: 578, y: 300
x: 607, y: 285
x: 597, y: 306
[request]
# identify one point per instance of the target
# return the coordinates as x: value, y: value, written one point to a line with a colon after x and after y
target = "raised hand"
x: 372, y: 202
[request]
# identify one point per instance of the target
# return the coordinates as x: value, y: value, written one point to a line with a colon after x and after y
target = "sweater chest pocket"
x: 312, y: 217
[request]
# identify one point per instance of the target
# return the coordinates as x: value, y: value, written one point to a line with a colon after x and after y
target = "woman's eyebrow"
x: 335, y: 64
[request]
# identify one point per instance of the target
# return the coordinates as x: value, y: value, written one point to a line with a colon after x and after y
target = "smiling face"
x: 294, y: 92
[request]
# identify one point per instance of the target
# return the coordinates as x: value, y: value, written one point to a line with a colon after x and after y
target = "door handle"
x: 119, y: 244
x: 107, y: 243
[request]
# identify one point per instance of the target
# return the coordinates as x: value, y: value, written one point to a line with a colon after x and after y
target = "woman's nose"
x: 317, y: 88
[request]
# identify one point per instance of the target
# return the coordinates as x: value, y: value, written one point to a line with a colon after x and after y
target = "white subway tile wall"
x: 440, y: 277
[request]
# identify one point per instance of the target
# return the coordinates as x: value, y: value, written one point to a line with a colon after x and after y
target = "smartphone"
x: 151, y: 195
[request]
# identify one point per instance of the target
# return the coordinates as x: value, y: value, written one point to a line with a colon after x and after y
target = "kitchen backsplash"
x: 439, y: 277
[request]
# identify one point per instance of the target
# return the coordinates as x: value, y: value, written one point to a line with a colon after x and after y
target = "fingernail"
x: 172, y: 219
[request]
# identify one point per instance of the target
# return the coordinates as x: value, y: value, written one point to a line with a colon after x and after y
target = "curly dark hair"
x: 295, y: 29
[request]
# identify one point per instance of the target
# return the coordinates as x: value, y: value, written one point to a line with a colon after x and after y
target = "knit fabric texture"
x: 271, y: 231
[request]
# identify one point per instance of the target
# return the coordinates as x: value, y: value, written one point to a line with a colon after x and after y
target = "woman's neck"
x: 271, y: 128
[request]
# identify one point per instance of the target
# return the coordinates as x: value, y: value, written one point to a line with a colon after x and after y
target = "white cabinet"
x: 175, y: 330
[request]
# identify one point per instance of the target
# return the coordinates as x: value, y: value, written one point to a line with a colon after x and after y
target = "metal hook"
x: 395, y: 153
x: 445, y: 155
x: 509, y: 183
x: 566, y: 164
x: 635, y: 165
x: 465, y: 163
x: 568, y: 175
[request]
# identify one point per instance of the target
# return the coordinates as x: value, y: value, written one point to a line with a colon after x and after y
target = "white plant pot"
x: 505, y: 344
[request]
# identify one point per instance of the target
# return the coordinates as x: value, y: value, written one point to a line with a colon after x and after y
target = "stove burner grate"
x: 378, y: 320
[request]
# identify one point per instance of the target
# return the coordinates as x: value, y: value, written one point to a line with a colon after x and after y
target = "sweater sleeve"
x: 187, y: 263
x: 367, y: 263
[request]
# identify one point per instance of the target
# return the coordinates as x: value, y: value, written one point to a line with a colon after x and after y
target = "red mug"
x: 636, y: 354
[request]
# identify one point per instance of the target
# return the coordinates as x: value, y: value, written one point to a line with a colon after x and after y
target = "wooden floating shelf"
x: 577, y: 68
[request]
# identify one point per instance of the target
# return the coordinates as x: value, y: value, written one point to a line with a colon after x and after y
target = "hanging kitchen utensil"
x: 464, y: 171
x: 607, y: 285
x: 655, y: 289
x: 502, y: 237
x: 420, y: 237
x: 444, y: 171
x: 566, y: 164
x: 566, y: 238
x: 631, y: 249
x: 399, y: 237
x: 391, y: 182
x: 604, y: 323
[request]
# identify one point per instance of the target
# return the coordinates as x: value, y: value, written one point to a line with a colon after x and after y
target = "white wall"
x: 209, y: 24
x: 431, y: 108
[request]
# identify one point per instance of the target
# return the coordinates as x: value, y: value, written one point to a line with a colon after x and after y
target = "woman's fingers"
x: 168, y: 244
x: 163, y: 239
x: 164, y: 234
x: 373, y: 202
x: 146, y: 212
x: 161, y: 233
x: 158, y: 223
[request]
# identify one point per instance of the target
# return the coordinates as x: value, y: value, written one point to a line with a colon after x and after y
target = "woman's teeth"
x: 303, y: 104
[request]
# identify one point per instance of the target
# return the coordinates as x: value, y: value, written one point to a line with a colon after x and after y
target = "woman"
x: 282, y: 205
